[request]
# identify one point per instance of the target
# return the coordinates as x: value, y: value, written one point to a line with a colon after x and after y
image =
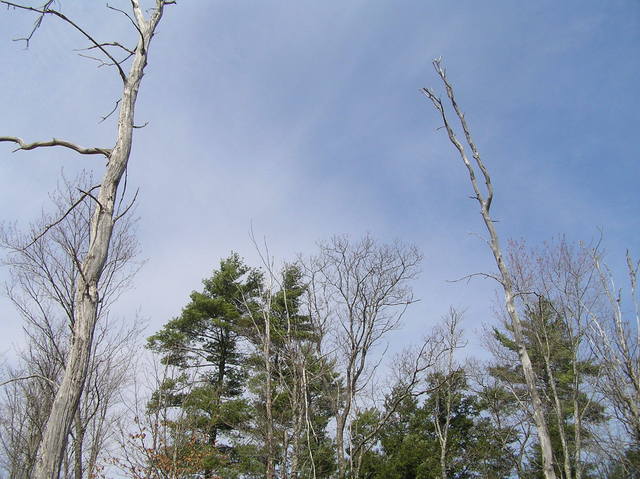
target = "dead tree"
x: 484, y: 199
x: 105, y: 214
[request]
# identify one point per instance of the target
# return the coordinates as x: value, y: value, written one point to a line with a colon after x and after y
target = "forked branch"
x: 484, y: 201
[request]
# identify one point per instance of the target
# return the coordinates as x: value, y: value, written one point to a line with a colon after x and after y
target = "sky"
x: 302, y: 120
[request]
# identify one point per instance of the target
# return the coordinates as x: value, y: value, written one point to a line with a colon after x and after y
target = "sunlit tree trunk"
x: 87, y: 299
x: 484, y: 200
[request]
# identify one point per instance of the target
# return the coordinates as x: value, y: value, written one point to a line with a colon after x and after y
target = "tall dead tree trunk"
x: 484, y: 199
x: 87, y: 299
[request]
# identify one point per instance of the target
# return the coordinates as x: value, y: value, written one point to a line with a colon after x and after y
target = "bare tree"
x: 365, y: 287
x: 24, y: 405
x: 283, y: 339
x: 615, y: 339
x: 505, y: 279
x: 43, y: 279
x: 105, y: 214
x: 151, y: 440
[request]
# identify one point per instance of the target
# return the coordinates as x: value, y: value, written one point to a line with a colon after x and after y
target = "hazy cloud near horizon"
x: 303, y: 119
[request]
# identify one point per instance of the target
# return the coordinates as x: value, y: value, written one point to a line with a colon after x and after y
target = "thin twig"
x: 473, y: 275
x: 129, y: 17
x: 115, y: 107
x: 88, y: 193
x: 135, y: 197
x: 36, y: 24
x: 106, y: 44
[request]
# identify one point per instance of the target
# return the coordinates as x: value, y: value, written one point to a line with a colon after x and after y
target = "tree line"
x: 286, y: 373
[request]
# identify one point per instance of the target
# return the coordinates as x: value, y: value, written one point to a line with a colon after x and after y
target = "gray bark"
x: 66, y: 401
x: 505, y: 277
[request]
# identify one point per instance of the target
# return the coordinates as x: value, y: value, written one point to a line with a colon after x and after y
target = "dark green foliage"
x: 206, y: 337
x: 626, y: 467
x: 408, y: 447
x: 298, y: 377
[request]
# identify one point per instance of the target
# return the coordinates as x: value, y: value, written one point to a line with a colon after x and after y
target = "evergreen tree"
x: 561, y: 373
x: 299, y: 408
x: 205, y: 338
x: 408, y: 447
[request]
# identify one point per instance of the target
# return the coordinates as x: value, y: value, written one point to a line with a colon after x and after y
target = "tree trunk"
x: 340, y: 424
x: 77, y: 447
x: 484, y: 200
x: 67, y: 397
x: 270, y: 472
x: 527, y: 368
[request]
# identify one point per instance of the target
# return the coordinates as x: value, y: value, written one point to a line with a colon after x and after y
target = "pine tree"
x: 205, y: 338
x: 562, y: 374
x: 408, y: 447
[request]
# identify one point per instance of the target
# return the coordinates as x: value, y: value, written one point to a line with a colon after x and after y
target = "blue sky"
x: 304, y: 119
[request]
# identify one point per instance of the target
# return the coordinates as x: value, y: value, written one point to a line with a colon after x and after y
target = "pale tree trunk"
x: 299, y: 410
x: 270, y: 472
x: 340, y: 447
x: 505, y: 278
x: 566, y: 456
x: 442, y: 430
x: 307, y: 422
x: 77, y: 446
x: 341, y: 422
x: 87, y: 299
x: 577, y: 420
x: 296, y: 359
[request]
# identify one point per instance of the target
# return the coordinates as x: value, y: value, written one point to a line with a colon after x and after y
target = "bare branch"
x: 468, y: 278
x: 36, y: 24
x: 437, y: 63
x: 126, y: 210
x: 56, y: 142
x: 115, y: 107
x: 31, y: 376
x: 129, y: 17
x: 71, y: 208
x: 107, y: 44
x: 88, y: 193
x: 44, y: 10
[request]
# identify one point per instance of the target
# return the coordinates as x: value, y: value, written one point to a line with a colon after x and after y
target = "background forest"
x: 281, y: 283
